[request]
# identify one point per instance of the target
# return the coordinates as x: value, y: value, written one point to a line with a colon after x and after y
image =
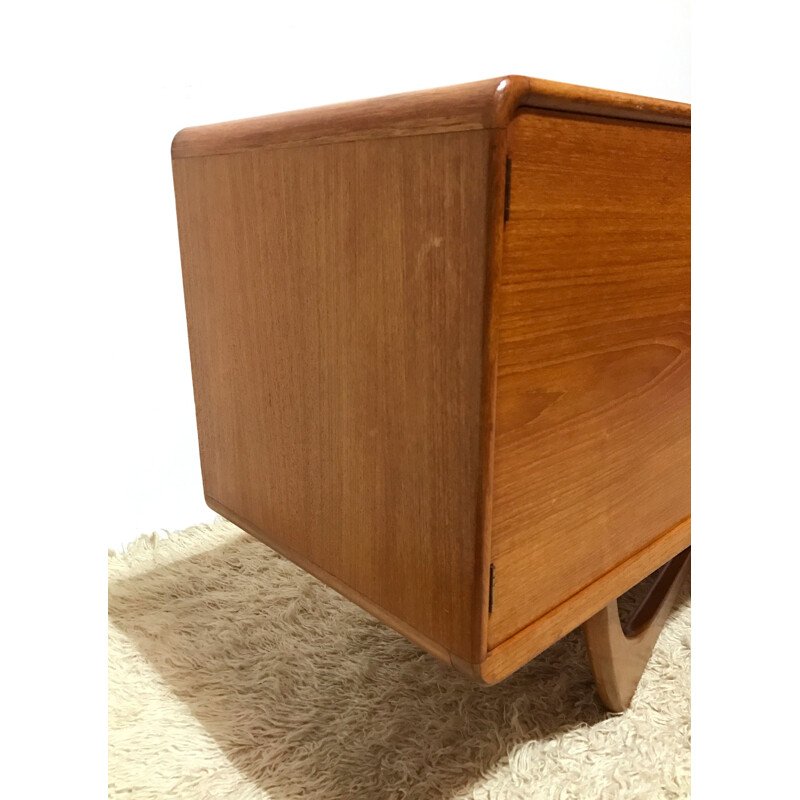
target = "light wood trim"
x: 470, y: 106
x: 539, y: 635
x: 619, y: 654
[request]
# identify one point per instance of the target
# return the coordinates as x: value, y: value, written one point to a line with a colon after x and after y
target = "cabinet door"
x: 591, y: 461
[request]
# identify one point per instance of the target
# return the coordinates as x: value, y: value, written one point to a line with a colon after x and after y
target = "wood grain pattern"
x: 592, y: 424
x: 526, y: 644
x: 488, y: 104
x: 396, y: 387
x: 494, y: 260
x: 335, y: 297
x: 619, y: 654
x: 400, y: 625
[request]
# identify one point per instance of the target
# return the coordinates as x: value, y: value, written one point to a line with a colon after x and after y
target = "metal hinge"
x: 507, y: 208
x: 491, y: 587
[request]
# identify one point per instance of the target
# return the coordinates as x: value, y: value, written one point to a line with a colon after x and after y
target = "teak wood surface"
x: 619, y: 653
x: 442, y: 336
x: 339, y: 371
x: 592, y: 421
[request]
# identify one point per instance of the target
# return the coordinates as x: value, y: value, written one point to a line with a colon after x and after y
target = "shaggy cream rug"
x: 234, y: 674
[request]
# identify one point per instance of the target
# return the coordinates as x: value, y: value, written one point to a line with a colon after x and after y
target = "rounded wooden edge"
x: 472, y: 671
x: 470, y: 106
x: 461, y: 107
x: 515, y: 652
x: 521, y: 92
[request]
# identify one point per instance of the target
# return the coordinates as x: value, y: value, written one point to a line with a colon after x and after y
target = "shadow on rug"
x: 233, y: 673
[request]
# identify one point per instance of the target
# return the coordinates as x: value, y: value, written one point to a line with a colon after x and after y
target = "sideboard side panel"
x: 591, y: 459
x: 335, y: 304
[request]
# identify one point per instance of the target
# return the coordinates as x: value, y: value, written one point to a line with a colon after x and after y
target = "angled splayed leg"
x: 618, y: 653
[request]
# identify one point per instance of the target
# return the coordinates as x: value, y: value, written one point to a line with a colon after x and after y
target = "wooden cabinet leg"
x: 618, y: 653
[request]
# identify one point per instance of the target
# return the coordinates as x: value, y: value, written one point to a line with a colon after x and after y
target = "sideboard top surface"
x: 482, y: 105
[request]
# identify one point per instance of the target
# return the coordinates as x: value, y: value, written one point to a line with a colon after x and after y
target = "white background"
x: 98, y: 441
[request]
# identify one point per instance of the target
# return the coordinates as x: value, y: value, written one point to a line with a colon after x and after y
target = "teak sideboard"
x: 440, y: 347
